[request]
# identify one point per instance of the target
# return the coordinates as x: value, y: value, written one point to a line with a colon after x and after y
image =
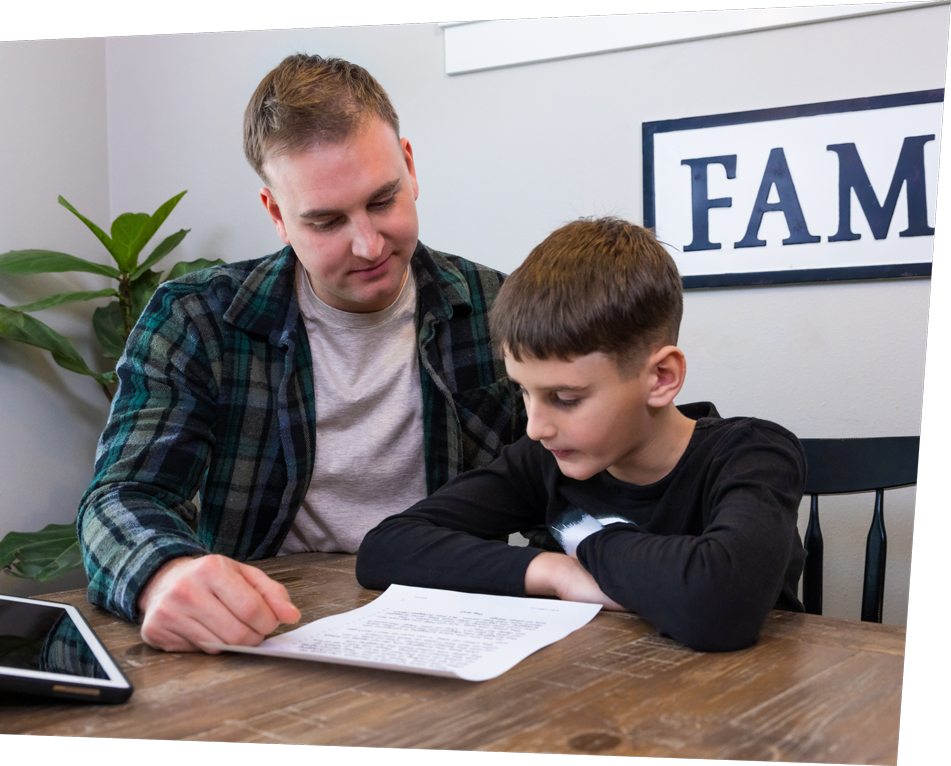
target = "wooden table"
x: 814, y: 689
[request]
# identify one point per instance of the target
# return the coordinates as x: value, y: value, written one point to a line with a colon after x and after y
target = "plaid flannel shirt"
x: 216, y: 398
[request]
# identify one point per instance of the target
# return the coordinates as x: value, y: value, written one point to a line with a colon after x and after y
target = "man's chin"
x: 378, y: 294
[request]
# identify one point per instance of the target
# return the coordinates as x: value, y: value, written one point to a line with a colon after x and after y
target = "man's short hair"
x: 593, y: 285
x: 308, y: 100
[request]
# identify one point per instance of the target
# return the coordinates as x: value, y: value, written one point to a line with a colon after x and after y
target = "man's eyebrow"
x: 387, y: 188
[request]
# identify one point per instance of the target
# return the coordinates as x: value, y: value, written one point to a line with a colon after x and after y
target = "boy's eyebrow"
x: 386, y: 189
x: 556, y: 388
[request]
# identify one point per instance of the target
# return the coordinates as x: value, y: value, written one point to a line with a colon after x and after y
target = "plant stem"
x: 125, y: 303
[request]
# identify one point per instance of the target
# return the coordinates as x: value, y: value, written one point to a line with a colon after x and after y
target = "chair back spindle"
x: 873, y: 589
x: 812, y: 571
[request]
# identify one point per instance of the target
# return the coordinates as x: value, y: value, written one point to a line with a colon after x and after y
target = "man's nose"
x: 367, y: 241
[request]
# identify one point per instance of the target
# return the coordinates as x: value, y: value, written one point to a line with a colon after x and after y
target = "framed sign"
x: 836, y: 191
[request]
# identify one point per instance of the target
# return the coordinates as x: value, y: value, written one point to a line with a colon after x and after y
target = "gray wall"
x: 52, y: 141
x: 504, y: 157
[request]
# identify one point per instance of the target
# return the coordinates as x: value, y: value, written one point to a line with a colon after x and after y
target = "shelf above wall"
x: 475, y: 46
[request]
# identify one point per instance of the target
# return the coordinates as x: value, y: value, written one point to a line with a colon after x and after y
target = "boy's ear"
x: 668, y: 370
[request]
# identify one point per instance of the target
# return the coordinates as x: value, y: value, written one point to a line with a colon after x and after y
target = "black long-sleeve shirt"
x: 703, y: 554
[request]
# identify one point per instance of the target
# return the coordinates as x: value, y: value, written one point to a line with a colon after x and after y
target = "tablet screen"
x: 40, y: 637
x: 45, y: 646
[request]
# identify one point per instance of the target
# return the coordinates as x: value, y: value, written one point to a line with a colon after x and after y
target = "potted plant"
x: 54, y: 550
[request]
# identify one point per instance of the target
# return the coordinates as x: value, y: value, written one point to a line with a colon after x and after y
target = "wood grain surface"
x: 813, y: 689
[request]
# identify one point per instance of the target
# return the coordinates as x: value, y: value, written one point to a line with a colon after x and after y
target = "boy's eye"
x: 566, y: 403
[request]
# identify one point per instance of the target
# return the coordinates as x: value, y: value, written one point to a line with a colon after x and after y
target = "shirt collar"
x: 266, y: 302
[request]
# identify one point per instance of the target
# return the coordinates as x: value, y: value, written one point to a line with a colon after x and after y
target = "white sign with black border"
x: 835, y: 191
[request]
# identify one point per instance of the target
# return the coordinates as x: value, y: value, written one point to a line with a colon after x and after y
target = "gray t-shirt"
x: 370, y: 462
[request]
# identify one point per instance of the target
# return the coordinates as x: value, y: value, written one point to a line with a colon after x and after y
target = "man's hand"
x: 555, y: 574
x: 211, y: 598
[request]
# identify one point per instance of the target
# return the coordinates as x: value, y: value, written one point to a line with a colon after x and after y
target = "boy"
x: 685, y: 518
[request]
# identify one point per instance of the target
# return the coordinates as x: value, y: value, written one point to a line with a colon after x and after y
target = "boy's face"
x: 587, y: 414
x: 349, y: 211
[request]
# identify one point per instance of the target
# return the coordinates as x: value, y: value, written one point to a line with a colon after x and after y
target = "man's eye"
x: 327, y: 225
x: 382, y: 204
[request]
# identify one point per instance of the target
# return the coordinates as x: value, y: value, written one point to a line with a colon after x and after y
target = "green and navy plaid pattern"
x: 216, y: 399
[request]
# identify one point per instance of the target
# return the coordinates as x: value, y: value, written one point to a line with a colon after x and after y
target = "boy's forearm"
x: 555, y: 574
x: 454, y: 538
x: 542, y: 573
x: 409, y: 550
x: 706, y: 592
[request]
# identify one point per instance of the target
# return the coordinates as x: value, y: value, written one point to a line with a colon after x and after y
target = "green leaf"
x: 149, y: 227
x: 21, y: 327
x: 20, y: 262
x: 187, y: 267
x: 100, y: 234
x: 159, y: 216
x: 142, y: 290
x: 60, y: 298
x: 110, y: 329
x: 127, y: 232
x: 130, y: 231
x: 165, y: 247
x: 43, y: 555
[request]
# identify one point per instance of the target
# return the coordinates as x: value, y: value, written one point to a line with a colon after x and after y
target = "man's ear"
x: 270, y: 204
x: 668, y: 370
x: 410, y: 165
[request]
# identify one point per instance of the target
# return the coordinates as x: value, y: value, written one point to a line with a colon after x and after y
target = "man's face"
x: 349, y: 211
x: 585, y: 413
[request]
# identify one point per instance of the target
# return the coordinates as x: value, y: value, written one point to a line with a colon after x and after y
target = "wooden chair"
x: 845, y: 466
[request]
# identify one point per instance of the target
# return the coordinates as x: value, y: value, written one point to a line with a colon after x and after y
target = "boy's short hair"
x: 306, y: 100
x: 593, y: 285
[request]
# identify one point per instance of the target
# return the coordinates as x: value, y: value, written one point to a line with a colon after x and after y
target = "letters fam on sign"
x: 819, y: 192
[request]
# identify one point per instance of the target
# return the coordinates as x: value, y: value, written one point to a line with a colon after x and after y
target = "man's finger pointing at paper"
x: 212, y: 599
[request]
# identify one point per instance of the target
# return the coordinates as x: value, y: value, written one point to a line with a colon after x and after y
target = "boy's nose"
x: 539, y: 426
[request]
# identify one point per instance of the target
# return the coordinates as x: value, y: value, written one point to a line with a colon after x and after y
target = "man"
x: 307, y: 395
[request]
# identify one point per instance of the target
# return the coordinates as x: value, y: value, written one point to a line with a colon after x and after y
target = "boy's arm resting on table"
x: 712, y: 591
x: 136, y: 519
x: 450, y: 539
x: 562, y: 576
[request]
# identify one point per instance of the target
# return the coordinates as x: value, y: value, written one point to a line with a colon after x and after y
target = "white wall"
x: 506, y: 156
x: 52, y: 141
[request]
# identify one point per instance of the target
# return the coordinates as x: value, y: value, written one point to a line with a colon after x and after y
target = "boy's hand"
x: 211, y: 598
x: 556, y: 574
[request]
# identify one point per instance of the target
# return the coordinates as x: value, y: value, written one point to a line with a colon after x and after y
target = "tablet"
x: 49, y: 649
